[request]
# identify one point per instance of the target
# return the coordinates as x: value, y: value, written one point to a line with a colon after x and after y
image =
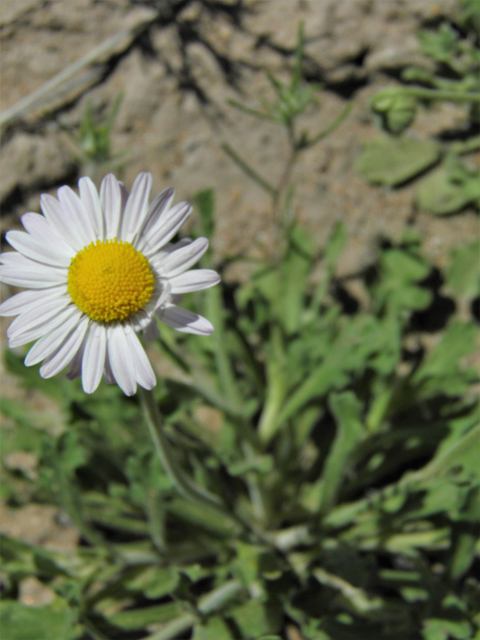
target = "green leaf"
x: 441, y: 44
x: 261, y: 464
x: 463, y: 273
x: 463, y: 551
x: 401, y: 269
x: 154, y: 581
x: 442, y: 629
x: 443, y: 360
x: 392, y: 161
x: 213, y: 627
x: 350, y: 431
x: 295, y: 267
x: 20, y: 622
x: 142, y: 617
x: 405, y: 266
x: 59, y: 387
x: 458, y: 451
x: 246, y: 565
x: 255, y: 618
x: 336, y: 244
x: 356, y: 344
x: 448, y: 189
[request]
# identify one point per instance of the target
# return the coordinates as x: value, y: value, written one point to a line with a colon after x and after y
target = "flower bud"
x: 396, y: 111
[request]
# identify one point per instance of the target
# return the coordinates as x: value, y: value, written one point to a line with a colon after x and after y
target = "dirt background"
x: 177, y: 63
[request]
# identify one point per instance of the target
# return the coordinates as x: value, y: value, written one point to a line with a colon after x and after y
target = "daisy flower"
x: 99, y: 269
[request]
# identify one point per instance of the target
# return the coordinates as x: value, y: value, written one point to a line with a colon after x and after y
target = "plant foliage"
x: 451, y: 74
x: 348, y: 457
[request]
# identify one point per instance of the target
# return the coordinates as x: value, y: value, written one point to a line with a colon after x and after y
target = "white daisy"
x: 98, y: 269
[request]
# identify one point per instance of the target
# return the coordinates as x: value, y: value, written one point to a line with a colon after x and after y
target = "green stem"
x: 162, y: 448
x: 254, y: 484
x: 251, y: 173
x: 250, y: 111
x: 467, y: 146
x: 326, y: 132
x: 435, y: 94
x: 268, y: 424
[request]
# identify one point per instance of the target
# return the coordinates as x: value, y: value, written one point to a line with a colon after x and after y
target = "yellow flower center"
x: 110, y: 280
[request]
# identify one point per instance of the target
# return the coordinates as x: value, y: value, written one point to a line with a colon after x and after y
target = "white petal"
x: 107, y: 371
x: 136, y: 208
x: 75, y: 366
x: 91, y: 202
x: 62, y: 221
x: 26, y: 299
x: 194, y: 280
x: 15, y: 259
x: 20, y: 262
x: 157, y: 259
x: 17, y: 269
x: 140, y: 321
x: 45, y: 327
x: 151, y: 331
x: 111, y: 202
x: 94, y: 357
x: 182, y: 259
x: 165, y: 229
x: 123, y: 196
x: 35, y: 281
x: 67, y: 351
x: 37, y: 249
x: 36, y: 315
x: 143, y: 318
x: 39, y: 228
x: 71, y: 202
x: 120, y: 359
x: 158, y: 207
x: 49, y: 342
x: 157, y: 301
x: 185, y: 320
x: 143, y: 369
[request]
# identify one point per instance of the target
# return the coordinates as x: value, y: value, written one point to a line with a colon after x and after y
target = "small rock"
x: 34, y: 593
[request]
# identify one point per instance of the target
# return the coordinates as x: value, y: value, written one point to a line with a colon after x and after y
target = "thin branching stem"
x: 165, y: 454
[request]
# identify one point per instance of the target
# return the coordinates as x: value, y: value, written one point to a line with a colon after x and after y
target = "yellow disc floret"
x: 110, y: 280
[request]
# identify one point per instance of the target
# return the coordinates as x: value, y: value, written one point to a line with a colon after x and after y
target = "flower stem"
x: 183, y: 484
x: 251, y: 173
x: 162, y: 448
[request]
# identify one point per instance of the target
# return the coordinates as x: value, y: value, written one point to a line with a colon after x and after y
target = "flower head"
x: 99, y: 269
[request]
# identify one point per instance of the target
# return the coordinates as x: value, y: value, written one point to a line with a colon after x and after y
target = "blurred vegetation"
x: 341, y: 434
x: 93, y: 140
x: 451, y: 74
x: 348, y: 456
x: 291, y: 100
